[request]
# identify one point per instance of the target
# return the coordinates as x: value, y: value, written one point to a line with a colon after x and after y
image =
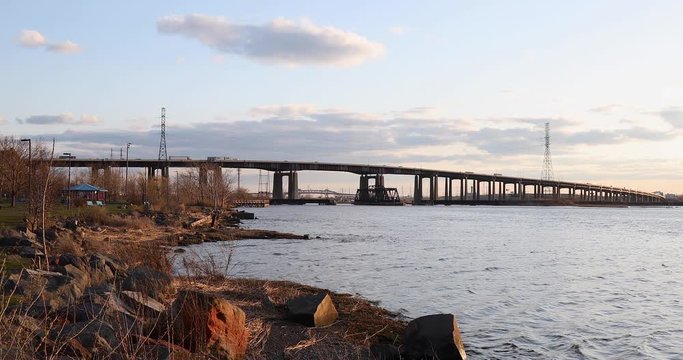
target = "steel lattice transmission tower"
x: 163, y: 155
x: 547, y: 173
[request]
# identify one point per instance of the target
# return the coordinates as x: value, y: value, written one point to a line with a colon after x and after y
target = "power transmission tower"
x: 547, y: 173
x: 163, y: 155
x: 263, y: 184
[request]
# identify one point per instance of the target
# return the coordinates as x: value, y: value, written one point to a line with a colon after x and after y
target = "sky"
x: 453, y: 85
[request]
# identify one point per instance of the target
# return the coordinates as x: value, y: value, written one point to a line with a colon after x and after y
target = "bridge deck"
x: 360, y: 169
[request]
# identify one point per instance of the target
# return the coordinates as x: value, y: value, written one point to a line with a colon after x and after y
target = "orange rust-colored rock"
x: 208, y: 323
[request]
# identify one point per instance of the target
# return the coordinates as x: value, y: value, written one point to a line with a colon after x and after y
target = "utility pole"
x: 126, y: 183
x: 68, y: 186
x: 30, y: 170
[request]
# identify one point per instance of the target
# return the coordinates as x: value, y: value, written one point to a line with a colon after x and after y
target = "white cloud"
x: 610, y: 108
x: 280, y: 41
x: 67, y: 47
x: 2, y: 120
x: 61, y: 119
x: 292, y: 111
x: 31, y: 38
x: 34, y: 39
x: 89, y: 119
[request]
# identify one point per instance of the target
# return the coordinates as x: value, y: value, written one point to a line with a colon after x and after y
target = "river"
x: 523, y: 282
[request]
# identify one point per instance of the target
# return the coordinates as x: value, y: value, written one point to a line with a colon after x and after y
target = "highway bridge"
x: 458, y: 187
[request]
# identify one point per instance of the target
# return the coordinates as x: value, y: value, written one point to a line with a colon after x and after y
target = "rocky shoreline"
x: 109, y: 293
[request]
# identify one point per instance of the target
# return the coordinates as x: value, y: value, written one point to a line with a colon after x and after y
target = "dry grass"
x: 99, y: 216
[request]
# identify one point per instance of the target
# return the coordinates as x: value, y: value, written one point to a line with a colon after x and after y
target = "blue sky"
x: 462, y: 85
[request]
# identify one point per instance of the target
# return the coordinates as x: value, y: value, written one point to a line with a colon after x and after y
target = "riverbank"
x: 109, y: 292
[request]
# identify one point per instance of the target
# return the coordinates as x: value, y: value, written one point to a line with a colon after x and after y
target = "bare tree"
x: 14, y: 169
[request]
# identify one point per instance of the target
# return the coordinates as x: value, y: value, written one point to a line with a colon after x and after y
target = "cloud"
x: 34, y: 39
x: 608, y: 109
x: 67, y: 47
x: 66, y: 118
x: 280, y: 41
x: 89, y: 119
x: 672, y: 115
x: 2, y: 120
x: 31, y: 38
x: 282, y: 111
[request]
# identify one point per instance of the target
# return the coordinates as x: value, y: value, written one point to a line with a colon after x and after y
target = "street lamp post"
x: 30, y: 193
x: 177, y: 188
x: 126, y: 184
x: 68, y: 186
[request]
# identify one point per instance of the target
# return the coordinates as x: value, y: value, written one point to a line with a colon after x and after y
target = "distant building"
x: 671, y: 196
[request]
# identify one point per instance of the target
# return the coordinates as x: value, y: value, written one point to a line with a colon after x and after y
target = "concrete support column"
x: 217, y: 175
x: 463, y: 189
x: 94, y: 174
x: 417, y: 190
x: 150, y: 174
x: 293, y: 189
x: 433, y: 188
x: 278, y: 194
x: 379, y: 181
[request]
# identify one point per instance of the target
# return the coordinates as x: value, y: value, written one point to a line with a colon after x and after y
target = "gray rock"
x: 142, y: 305
x: 70, y: 259
x: 88, y: 339
x: 148, y: 281
x: 434, y: 337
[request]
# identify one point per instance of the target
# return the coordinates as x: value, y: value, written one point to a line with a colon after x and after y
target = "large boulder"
x: 434, y: 337
x: 142, y: 304
x: 314, y: 310
x: 88, y: 339
x: 148, y: 281
x: 202, y: 322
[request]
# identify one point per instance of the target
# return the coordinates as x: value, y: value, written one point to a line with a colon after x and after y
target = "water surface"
x: 524, y: 282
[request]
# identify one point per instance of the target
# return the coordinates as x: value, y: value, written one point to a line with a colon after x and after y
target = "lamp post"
x: 30, y: 193
x: 68, y: 186
x: 126, y: 184
x: 177, y: 189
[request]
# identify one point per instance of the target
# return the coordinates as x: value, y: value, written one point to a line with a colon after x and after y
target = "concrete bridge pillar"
x: 293, y: 190
x: 379, y: 180
x: 217, y: 175
x: 463, y: 189
x: 417, y: 190
x: 94, y: 174
x: 203, y: 176
x: 277, y: 186
x: 446, y: 188
x: 433, y: 188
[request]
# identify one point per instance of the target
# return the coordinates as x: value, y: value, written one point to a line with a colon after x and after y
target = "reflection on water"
x: 524, y: 282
